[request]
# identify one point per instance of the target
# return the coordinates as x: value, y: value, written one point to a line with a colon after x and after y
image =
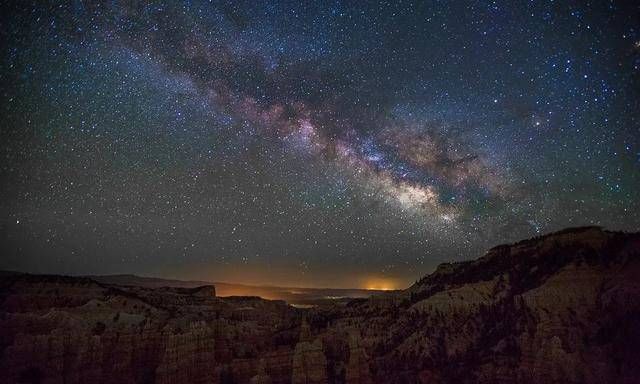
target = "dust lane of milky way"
x: 310, y: 143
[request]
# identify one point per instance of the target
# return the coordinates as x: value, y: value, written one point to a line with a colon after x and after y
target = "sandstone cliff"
x: 561, y: 308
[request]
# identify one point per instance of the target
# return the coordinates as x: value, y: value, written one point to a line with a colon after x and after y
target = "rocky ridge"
x: 561, y: 308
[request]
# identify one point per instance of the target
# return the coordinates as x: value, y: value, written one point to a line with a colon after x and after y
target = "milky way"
x: 310, y: 143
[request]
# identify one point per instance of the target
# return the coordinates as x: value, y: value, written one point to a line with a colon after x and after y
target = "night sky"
x: 310, y: 143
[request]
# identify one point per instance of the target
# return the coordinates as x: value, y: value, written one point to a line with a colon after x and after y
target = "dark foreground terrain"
x: 563, y: 308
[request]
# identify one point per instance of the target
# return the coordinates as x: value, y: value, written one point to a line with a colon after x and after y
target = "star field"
x: 310, y: 143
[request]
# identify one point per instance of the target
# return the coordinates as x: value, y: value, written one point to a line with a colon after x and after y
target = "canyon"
x: 559, y: 308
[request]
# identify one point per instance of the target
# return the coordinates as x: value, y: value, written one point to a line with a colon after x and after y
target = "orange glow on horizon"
x: 380, y: 284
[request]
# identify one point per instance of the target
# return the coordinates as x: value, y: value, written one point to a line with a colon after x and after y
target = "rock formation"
x: 546, y: 310
x: 309, y: 361
x: 561, y: 308
x: 357, y: 371
x: 261, y: 377
x: 60, y: 329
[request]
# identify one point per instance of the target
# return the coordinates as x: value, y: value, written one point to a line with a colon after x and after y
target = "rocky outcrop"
x: 188, y: 357
x: 262, y: 377
x: 357, y: 370
x: 309, y: 360
x: 539, y: 311
x: 561, y: 308
x: 72, y: 330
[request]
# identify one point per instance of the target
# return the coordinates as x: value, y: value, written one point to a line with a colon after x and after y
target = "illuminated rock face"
x: 563, y: 308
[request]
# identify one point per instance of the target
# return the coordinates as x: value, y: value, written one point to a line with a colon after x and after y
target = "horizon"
x: 310, y: 144
x: 377, y: 284
x: 372, y: 284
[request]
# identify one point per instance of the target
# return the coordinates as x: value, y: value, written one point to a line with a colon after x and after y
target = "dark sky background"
x: 310, y: 143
